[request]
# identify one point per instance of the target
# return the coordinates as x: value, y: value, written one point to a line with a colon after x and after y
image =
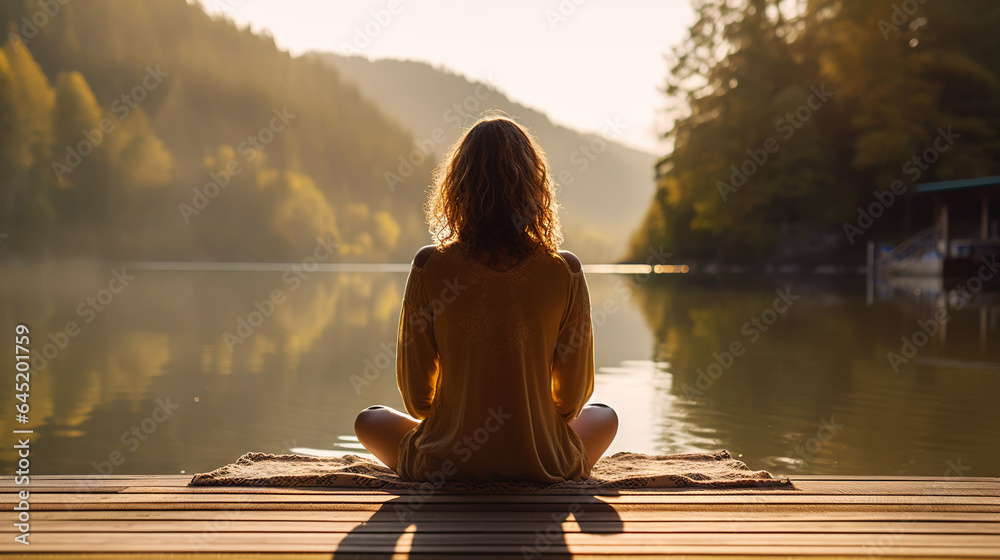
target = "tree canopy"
x: 792, y: 115
x: 151, y: 130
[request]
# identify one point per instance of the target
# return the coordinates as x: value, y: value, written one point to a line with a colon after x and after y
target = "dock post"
x: 870, y: 274
x: 984, y: 218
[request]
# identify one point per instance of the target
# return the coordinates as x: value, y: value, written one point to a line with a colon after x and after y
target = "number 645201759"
x: 22, y: 355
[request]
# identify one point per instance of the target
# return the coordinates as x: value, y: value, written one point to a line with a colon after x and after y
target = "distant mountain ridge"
x: 604, y: 186
x: 172, y: 177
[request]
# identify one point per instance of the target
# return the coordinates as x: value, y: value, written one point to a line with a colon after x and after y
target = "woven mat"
x: 620, y: 471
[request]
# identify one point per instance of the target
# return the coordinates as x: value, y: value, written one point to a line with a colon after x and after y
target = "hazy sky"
x: 580, y: 61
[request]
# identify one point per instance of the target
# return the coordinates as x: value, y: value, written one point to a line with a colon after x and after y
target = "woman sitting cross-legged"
x: 495, y: 357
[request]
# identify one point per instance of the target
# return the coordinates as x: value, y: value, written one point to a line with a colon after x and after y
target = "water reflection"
x: 816, y: 392
x: 162, y: 339
x: 150, y: 384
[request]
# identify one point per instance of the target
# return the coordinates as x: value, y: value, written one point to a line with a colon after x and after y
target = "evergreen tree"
x: 848, y: 91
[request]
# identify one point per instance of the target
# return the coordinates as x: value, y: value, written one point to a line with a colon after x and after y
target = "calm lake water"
x: 148, y: 380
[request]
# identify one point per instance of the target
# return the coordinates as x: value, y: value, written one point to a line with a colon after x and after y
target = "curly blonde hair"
x: 493, y: 193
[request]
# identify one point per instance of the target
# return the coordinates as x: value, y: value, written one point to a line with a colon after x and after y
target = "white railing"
x: 913, y: 248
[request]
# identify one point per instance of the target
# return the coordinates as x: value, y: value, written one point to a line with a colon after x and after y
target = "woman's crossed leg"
x: 381, y: 428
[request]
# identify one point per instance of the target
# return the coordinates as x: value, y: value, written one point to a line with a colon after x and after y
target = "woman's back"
x: 495, y: 355
x: 496, y: 362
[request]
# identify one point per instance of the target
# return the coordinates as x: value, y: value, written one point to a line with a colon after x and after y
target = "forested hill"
x: 150, y: 130
x: 604, y: 186
x: 795, y: 120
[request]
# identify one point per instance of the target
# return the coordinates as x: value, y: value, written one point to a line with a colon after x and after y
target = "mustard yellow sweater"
x: 494, y: 364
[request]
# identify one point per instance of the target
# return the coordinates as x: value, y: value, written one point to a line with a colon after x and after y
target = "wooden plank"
x: 666, y: 552
x: 62, y: 485
x: 621, y: 543
x: 472, y: 525
x: 803, y: 488
x: 95, y: 482
x: 793, y: 477
x: 765, y: 515
x: 419, y: 556
x: 882, y: 478
x: 475, y: 508
x: 181, y: 481
x: 822, y: 487
x: 137, y: 480
x: 165, y: 541
x: 102, y: 477
x: 943, y: 517
x: 78, y: 489
x: 815, y: 487
x: 584, y: 501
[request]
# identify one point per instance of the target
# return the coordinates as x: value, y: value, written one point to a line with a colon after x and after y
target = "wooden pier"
x: 825, y: 516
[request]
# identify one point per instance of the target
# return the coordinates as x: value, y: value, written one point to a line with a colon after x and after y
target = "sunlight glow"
x: 579, y: 62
